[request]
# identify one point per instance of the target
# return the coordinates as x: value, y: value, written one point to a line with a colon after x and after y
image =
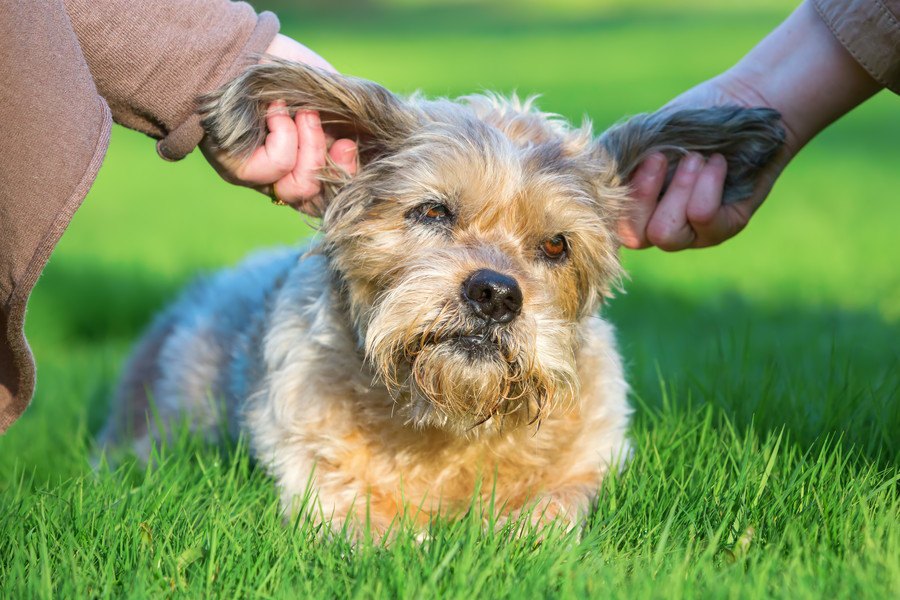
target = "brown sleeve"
x: 870, y: 31
x: 150, y: 59
x: 43, y: 75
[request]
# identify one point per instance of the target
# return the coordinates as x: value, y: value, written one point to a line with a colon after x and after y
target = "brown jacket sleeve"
x: 61, y: 63
x: 870, y: 31
x: 151, y: 58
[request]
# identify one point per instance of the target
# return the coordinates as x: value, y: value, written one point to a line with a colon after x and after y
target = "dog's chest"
x: 424, y: 468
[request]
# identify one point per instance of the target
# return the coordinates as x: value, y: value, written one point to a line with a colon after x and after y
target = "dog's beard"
x: 447, y: 369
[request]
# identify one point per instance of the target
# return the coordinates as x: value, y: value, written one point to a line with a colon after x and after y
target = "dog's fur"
x: 360, y: 366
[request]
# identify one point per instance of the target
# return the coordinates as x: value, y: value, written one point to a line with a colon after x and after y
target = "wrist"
x: 803, y: 71
x: 290, y: 49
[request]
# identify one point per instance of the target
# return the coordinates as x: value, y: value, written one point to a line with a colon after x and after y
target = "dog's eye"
x: 555, y: 248
x: 432, y: 212
x: 437, y: 211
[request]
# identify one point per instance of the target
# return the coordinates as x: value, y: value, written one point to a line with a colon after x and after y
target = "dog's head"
x: 478, y: 233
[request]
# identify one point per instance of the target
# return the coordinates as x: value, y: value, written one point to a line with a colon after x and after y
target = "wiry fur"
x: 748, y: 138
x: 344, y: 363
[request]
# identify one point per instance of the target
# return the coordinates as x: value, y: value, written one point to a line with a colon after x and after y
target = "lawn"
x: 766, y: 372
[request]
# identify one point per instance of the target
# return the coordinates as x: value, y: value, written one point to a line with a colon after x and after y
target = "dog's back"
x: 198, y: 359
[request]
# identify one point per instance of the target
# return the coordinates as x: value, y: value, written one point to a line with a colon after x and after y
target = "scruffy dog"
x: 442, y: 334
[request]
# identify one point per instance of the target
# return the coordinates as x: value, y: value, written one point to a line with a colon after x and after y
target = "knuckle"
x: 659, y: 233
x: 630, y: 230
x: 671, y: 246
x: 700, y: 215
x: 249, y: 176
x: 304, y: 189
x: 282, y: 163
x: 632, y: 241
x: 276, y: 172
x: 665, y: 238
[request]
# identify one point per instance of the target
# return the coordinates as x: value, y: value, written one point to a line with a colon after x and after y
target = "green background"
x: 765, y: 371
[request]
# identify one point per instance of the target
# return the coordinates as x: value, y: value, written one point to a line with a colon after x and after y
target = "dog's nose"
x: 492, y: 295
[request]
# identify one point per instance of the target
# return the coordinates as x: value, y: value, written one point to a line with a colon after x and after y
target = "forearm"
x: 804, y: 72
x: 151, y: 59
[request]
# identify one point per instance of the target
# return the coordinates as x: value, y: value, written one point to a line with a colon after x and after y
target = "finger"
x: 343, y: 154
x: 705, y: 213
x: 302, y: 183
x: 707, y: 197
x: 646, y: 184
x: 728, y: 221
x: 276, y: 157
x: 668, y: 228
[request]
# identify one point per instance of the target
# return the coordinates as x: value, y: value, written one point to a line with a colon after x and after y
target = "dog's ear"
x: 234, y: 115
x: 748, y: 138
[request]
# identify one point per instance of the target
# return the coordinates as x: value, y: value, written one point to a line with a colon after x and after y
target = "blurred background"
x: 795, y: 322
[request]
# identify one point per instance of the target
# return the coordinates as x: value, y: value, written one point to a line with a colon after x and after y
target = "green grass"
x: 766, y: 372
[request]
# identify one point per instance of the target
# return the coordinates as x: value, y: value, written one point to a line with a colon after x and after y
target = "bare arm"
x: 801, y: 70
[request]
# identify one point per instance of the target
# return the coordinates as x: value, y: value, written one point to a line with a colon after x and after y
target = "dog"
x: 441, y: 339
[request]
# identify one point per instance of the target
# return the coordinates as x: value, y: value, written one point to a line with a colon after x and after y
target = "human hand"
x: 691, y: 214
x: 296, y: 148
x: 802, y: 71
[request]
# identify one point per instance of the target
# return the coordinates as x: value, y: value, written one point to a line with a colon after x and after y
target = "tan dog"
x: 443, y: 332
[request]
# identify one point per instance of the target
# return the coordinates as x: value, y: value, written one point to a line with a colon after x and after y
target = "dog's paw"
x: 540, y: 520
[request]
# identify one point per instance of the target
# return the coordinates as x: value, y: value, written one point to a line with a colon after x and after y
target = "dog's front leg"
x: 565, y: 508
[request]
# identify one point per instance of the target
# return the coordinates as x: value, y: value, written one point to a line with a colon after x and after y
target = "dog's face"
x: 476, y: 238
x: 468, y: 256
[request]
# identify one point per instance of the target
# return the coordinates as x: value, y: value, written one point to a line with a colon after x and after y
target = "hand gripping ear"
x: 748, y: 138
x: 234, y: 115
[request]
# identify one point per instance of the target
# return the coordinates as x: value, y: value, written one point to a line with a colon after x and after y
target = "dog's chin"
x: 471, y: 384
x: 445, y: 371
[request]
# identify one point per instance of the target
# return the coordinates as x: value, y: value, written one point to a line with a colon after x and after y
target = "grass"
x: 765, y: 371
